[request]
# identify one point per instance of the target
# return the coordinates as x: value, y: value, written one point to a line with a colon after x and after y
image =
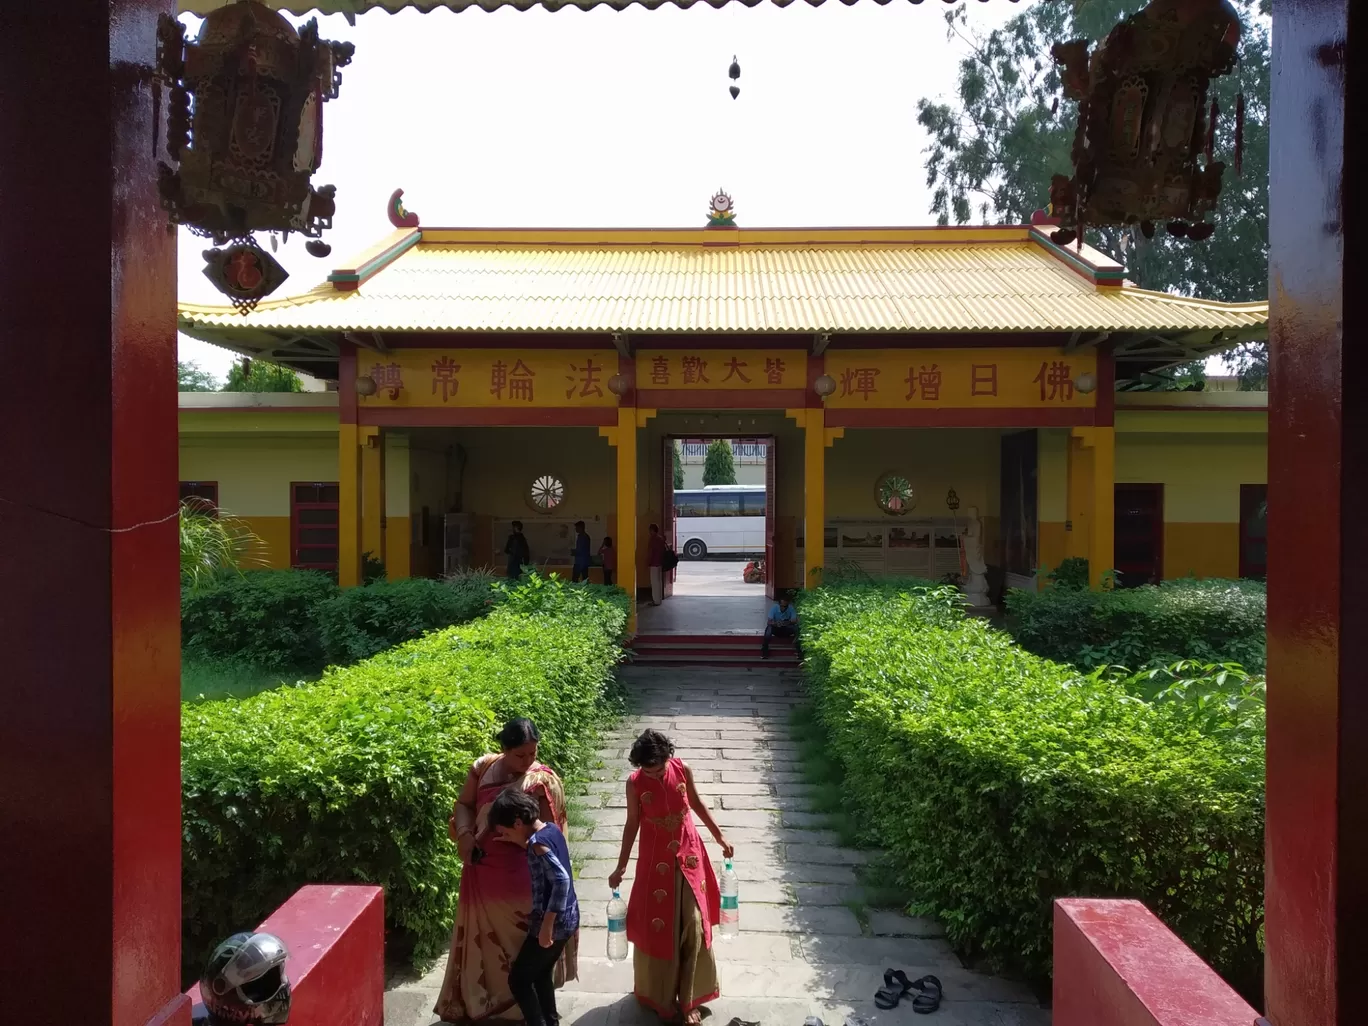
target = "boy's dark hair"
x: 517, y: 525
x: 513, y: 805
x: 651, y: 749
x: 517, y: 733
x: 608, y: 540
x: 579, y: 525
x: 655, y: 528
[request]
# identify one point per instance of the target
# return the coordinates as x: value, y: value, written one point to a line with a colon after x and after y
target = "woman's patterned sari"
x: 496, y: 897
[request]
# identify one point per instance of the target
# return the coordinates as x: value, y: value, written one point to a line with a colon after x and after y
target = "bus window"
x: 724, y: 504
x: 753, y: 504
x: 691, y: 504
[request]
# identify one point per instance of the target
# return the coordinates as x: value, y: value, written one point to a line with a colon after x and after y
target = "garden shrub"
x: 1210, y: 621
x: 1000, y: 781
x: 262, y: 618
x: 357, y: 623
x: 352, y: 779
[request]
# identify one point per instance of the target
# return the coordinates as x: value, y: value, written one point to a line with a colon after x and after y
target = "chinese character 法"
x: 694, y: 368
x: 1055, y: 381
x: 774, y: 370
x: 734, y: 370
x: 588, y: 384
x: 660, y: 370
x: 928, y: 379
x: 983, y: 379
x: 859, y: 381
x: 388, y: 376
x: 444, y: 372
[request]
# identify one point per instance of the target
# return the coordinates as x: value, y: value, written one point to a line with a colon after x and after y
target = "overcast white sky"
x: 622, y: 118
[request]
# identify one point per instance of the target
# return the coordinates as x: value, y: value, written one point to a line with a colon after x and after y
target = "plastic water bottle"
x: 617, y: 928
x: 731, y: 903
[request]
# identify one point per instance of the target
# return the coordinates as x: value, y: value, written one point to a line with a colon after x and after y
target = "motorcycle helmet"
x: 245, y: 982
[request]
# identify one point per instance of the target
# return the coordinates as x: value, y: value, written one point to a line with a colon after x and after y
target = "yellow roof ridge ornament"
x: 721, y: 213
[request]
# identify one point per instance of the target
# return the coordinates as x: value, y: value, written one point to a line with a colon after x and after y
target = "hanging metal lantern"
x: 244, y: 272
x: 245, y: 123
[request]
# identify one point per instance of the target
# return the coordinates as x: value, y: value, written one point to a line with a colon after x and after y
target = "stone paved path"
x: 802, y: 950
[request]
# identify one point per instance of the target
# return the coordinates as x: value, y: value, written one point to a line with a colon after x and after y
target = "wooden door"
x: 1139, y: 539
x: 771, y: 550
x: 1254, y: 531
x: 667, y: 510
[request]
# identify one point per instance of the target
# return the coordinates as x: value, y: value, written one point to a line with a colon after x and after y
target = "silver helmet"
x: 245, y: 981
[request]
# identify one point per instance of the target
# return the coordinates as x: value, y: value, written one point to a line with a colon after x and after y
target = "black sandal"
x: 895, y: 988
x: 930, y: 997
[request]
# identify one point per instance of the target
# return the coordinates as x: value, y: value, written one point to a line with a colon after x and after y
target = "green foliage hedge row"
x: 352, y: 779
x: 999, y: 780
x: 1211, y: 621
x: 300, y: 620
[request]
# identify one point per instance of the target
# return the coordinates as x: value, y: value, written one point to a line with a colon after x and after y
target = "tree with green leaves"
x: 190, y: 377
x: 260, y: 376
x: 678, y: 460
x: 1008, y: 130
x: 718, y: 466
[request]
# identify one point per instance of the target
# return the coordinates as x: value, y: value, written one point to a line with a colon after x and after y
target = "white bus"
x: 721, y: 520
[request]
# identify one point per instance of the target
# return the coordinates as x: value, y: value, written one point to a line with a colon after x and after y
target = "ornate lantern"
x: 824, y: 385
x: 246, y: 127
x: 1143, y: 122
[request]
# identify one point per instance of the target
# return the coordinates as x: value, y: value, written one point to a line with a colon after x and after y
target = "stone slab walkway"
x: 803, y: 949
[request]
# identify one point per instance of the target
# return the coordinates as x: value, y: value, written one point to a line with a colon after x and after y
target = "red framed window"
x: 202, y: 495
x: 1254, y: 530
x: 313, y: 525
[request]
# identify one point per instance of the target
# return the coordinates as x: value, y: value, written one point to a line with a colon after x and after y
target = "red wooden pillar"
x: 1317, y: 870
x: 90, y: 722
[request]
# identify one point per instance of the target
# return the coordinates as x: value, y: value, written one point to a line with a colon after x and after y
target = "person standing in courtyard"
x: 782, y: 623
x: 675, y: 900
x: 655, y: 563
x: 579, y: 567
x: 517, y: 550
x: 496, y: 884
x: 608, y: 557
x: 516, y: 817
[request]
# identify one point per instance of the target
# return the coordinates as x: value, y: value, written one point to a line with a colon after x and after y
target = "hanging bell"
x: 734, y: 72
x: 735, y: 91
x: 318, y: 248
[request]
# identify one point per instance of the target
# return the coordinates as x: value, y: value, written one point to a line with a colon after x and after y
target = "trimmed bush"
x: 358, y: 623
x: 262, y: 618
x: 999, y: 780
x: 352, y: 779
x: 1210, y: 621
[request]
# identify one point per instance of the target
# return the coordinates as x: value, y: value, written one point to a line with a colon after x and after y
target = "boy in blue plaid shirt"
x: 516, y: 818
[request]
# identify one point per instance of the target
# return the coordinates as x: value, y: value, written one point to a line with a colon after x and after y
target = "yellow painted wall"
x: 1052, y: 478
x: 254, y: 473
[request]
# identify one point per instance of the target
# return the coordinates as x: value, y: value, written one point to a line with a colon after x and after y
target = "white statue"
x: 976, y: 580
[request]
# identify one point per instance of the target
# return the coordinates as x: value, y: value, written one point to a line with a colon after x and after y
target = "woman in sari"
x: 496, y: 886
x: 675, y: 900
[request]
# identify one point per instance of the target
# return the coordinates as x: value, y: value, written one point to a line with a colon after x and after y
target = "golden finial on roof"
x: 721, y: 215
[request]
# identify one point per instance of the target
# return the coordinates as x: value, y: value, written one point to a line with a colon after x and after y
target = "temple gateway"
x: 902, y: 385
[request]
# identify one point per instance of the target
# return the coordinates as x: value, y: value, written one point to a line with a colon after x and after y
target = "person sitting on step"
x: 782, y: 623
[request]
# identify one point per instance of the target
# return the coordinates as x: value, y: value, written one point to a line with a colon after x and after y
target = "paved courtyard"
x: 803, y: 948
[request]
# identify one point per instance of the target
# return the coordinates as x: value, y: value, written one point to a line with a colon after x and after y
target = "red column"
x: 1317, y: 871
x: 90, y: 721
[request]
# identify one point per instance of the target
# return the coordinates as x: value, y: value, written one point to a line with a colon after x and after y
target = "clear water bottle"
x: 617, y: 928
x: 731, y: 903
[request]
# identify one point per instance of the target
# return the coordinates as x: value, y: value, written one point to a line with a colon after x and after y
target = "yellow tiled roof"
x: 1000, y: 280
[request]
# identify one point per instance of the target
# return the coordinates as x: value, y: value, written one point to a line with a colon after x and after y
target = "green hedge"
x: 352, y: 779
x: 1212, y: 621
x: 999, y: 781
x: 263, y: 618
x: 358, y: 623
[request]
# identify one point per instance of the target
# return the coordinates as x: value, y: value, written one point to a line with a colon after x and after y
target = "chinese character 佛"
x: 444, y: 372
x: 588, y: 384
x: 660, y: 370
x: 388, y: 376
x: 734, y: 370
x: 1055, y: 381
x: 774, y: 370
x: 983, y: 379
x: 694, y: 367
x: 859, y: 381
x: 928, y: 379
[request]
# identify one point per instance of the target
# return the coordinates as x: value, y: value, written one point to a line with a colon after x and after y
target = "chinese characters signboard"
x: 489, y: 377
x: 689, y: 369
x: 928, y: 378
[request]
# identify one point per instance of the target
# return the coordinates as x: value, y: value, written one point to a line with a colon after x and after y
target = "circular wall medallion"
x: 894, y: 494
x: 546, y: 494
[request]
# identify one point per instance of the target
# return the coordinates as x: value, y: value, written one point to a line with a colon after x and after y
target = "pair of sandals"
x: 897, y: 986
